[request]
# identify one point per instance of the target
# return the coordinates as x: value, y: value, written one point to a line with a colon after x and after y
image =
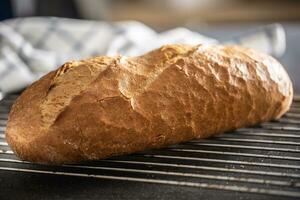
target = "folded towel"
x: 31, y: 47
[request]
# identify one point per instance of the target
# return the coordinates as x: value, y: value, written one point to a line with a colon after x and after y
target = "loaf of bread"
x: 105, y: 106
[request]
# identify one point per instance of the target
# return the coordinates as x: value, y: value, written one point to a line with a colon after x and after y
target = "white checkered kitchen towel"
x: 31, y: 47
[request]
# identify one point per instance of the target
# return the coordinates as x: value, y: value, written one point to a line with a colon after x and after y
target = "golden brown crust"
x: 104, y: 106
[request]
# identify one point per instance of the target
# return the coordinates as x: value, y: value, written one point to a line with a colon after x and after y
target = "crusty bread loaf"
x: 105, y: 106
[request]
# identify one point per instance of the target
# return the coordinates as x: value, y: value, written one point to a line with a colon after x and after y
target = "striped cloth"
x: 31, y: 47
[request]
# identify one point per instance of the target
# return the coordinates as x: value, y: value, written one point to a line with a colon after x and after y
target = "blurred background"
x: 219, y: 19
x: 157, y: 13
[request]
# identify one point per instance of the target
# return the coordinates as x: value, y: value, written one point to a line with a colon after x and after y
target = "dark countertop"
x: 25, y: 186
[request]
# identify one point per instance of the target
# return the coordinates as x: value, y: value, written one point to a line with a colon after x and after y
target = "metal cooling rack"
x: 262, y: 160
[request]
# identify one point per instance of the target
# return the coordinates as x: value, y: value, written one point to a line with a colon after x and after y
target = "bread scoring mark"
x: 172, y: 51
x: 171, y: 55
x: 66, y: 67
x: 70, y: 80
x: 62, y: 70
